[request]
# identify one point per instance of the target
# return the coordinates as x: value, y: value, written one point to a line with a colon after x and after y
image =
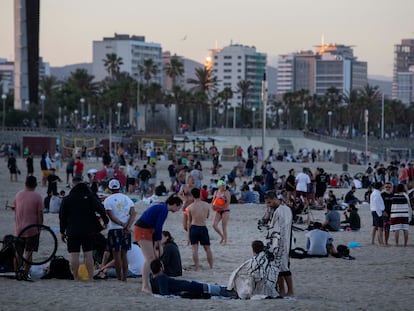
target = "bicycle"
x: 14, y: 246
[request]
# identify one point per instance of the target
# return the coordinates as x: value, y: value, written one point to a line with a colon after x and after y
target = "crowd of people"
x: 139, y: 246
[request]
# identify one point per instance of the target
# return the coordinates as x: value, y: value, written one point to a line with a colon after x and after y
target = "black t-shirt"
x: 290, y: 183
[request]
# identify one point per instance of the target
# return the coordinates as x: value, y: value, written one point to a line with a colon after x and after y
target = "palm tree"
x: 204, y: 83
x: 113, y: 64
x: 148, y: 70
x: 243, y: 87
x: 174, y: 69
x: 225, y: 95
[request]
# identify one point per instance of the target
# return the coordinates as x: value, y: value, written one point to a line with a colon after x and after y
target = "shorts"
x: 119, y: 240
x: 199, y: 234
x: 30, y: 243
x: 45, y: 173
x: 377, y: 221
x: 76, y: 242
x: 301, y: 193
x: 143, y: 233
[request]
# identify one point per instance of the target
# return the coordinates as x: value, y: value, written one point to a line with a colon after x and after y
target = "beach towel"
x: 256, y: 278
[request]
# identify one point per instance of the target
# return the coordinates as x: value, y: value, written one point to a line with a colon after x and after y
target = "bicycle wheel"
x: 47, y: 245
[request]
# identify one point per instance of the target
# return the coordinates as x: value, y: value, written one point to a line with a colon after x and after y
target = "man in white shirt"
x: 120, y: 210
x: 302, y: 182
x: 377, y: 207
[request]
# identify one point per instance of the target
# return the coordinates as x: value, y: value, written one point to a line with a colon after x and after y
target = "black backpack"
x: 59, y: 268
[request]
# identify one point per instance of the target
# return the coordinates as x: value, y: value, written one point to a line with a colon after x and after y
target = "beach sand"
x: 380, y: 278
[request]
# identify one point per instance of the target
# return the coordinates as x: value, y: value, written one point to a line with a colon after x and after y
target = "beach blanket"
x: 256, y: 278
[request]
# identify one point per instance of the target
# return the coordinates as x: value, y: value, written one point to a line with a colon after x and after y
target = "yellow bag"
x: 83, y: 273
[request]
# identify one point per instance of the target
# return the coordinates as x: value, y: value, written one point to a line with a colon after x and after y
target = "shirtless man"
x: 198, y: 213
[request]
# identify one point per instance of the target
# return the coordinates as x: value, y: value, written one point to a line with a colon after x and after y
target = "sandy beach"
x: 380, y: 278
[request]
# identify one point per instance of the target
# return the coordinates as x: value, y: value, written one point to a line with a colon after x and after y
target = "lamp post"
x: 280, y: 113
x: 3, y: 97
x: 42, y: 99
x: 26, y: 104
x: 366, y: 135
x: 254, y: 116
x: 305, y: 112
x: 330, y: 121
x: 179, y: 123
x: 82, y: 111
x: 119, y: 105
x: 234, y: 115
x: 76, y: 118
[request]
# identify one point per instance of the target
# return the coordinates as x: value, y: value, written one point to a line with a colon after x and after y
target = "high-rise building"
x: 331, y: 65
x: 26, y: 52
x: 402, y: 82
x: 132, y: 49
x: 235, y: 63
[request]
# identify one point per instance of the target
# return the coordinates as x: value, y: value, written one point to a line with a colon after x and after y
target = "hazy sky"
x: 68, y: 28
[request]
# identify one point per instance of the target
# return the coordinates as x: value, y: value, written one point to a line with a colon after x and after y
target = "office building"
x: 402, y: 83
x: 331, y: 65
x: 26, y: 52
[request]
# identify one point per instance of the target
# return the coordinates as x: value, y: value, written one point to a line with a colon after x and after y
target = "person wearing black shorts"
x: 198, y: 213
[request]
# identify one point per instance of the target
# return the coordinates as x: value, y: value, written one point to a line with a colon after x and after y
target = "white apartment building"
x: 132, y: 49
x: 235, y: 63
x: 285, y: 71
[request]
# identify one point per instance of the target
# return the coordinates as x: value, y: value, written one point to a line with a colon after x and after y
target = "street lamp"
x: 280, y: 113
x: 82, y: 102
x: 330, y: 121
x: 254, y: 116
x: 305, y: 112
x: 366, y: 135
x: 234, y: 115
x: 26, y: 104
x: 179, y: 123
x: 3, y: 97
x: 42, y: 98
x: 76, y: 118
x: 119, y: 105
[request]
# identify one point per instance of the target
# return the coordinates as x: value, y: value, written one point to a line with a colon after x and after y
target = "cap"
x: 221, y: 183
x: 114, y: 184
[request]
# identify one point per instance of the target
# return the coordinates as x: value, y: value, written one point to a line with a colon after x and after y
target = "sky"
x: 190, y: 28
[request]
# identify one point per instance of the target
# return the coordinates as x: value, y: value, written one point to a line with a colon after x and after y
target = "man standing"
x: 120, y: 210
x: 144, y: 175
x: 28, y: 210
x: 377, y: 207
x: 387, y: 195
x: 279, y: 236
x: 78, y: 167
x: 79, y: 224
x: 302, y: 182
x: 198, y: 213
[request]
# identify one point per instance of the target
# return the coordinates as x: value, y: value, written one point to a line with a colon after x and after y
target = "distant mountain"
x: 189, y: 71
x: 384, y: 83
x: 62, y: 73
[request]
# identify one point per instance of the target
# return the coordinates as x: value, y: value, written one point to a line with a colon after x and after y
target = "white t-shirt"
x: 135, y: 259
x: 120, y: 205
x: 302, y: 181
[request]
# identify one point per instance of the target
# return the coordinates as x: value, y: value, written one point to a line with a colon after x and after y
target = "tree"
x: 174, y: 69
x: 204, y: 83
x: 148, y: 70
x: 113, y: 64
x: 225, y: 95
x: 244, y: 87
